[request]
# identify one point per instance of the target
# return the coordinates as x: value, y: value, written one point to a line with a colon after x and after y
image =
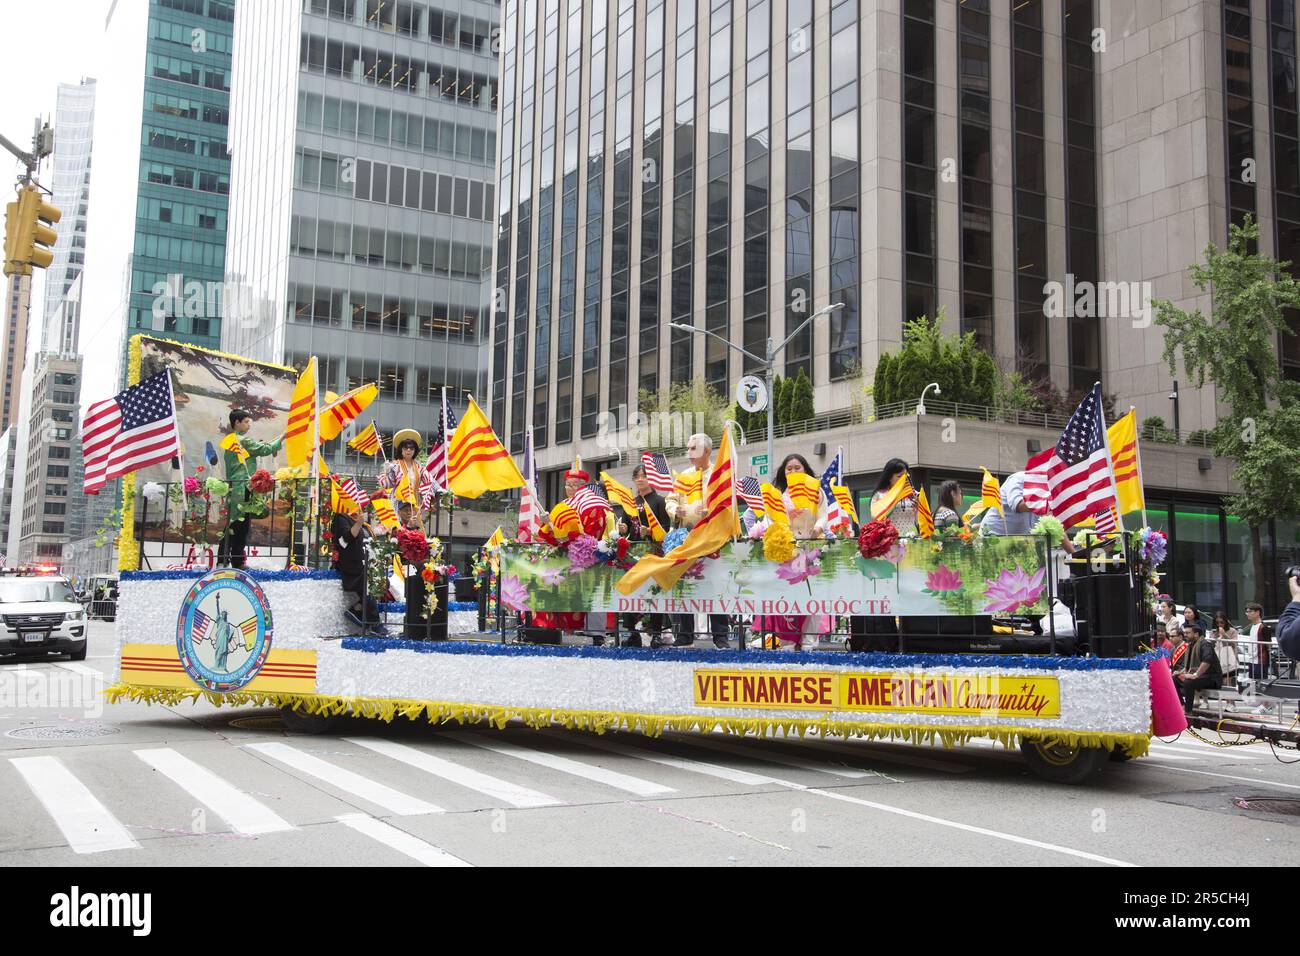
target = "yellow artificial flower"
x: 778, y: 544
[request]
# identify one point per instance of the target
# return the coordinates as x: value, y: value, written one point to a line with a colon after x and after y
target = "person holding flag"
x: 404, y: 473
x: 895, y: 498
x: 241, y: 454
x: 649, y: 524
x: 801, y: 495
x: 1014, y: 516
x: 594, y: 512
x: 351, y: 535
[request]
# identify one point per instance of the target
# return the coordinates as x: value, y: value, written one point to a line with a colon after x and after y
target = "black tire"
x: 1064, y: 764
x: 79, y: 655
x: 1119, y: 756
x: 301, y: 722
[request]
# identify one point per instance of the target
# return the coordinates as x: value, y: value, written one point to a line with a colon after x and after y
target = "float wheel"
x: 301, y: 722
x: 1062, y: 763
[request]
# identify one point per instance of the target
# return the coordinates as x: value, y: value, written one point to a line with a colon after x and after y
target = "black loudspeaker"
x: 1100, y: 603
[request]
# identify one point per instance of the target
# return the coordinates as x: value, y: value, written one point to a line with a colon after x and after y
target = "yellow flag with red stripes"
x: 804, y: 490
x: 367, y: 440
x: 719, y: 525
x: 300, y: 433
x: 657, y: 532
x: 335, y: 416
x: 924, y: 516
x: 900, y: 490
x: 620, y: 494
x: 691, y: 484
x: 991, y: 492
x: 1124, y: 452
x: 845, y: 498
x: 774, y: 504
x: 386, y: 513
x: 231, y: 443
x: 476, y: 459
x: 565, y: 521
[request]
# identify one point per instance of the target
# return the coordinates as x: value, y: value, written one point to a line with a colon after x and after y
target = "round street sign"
x: 751, y: 393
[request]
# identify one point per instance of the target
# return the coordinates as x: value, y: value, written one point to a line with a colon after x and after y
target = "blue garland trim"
x: 256, y: 575
x: 875, y: 660
x: 399, y: 607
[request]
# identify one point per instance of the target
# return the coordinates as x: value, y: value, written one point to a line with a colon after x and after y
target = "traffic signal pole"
x: 29, y: 236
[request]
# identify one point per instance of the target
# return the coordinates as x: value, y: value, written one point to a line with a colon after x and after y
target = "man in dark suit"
x: 649, y: 505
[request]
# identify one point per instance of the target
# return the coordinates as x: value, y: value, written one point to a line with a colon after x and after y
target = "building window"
x: 1081, y: 185
x: 1029, y: 181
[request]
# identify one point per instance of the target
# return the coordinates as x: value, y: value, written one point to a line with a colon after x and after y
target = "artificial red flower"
x: 877, y: 537
x: 622, y: 548
x: 199, y: 469
x: 428, y: 576
x: 413, y: 545
x: 261, y: 483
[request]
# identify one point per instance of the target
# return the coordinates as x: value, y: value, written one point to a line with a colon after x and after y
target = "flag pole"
x: 1137, y: 452
x: 1110, y: 462
x: 311, y: 458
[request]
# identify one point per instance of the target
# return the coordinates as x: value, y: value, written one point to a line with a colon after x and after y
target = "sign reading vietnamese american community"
x: 993, y: 575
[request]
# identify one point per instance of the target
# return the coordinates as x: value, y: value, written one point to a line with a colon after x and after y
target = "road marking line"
x: 870, y: 751
x: 610, y: 778
x: 788, y: 760
x: 743, y: 777
x: 85, y: 822
x: 238, y: 809
x: 1228, y: 776
x: 1161, y: 755
x: 490, y: 786
x: 391, y: 800
x: 79, y: 669
x: 983, y: 831
x: 400, y: 840
x: 1207, y: 749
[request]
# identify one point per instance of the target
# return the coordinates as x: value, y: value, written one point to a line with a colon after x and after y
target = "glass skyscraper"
x: 363, y: 195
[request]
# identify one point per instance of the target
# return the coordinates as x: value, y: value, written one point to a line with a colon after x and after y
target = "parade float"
x: 964, y: 644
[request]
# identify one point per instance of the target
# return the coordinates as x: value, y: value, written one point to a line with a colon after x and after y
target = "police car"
x: 40, y: 614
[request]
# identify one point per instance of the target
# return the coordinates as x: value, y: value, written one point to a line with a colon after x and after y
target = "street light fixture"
x: 768, y: 364
x: 920, y: 408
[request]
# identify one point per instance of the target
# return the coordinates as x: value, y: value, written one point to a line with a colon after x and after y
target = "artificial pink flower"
x: 1011, y: 589
x: 943, y: 579
x: 897, y: 552
x: 801, y: 567
x: 551, y: 576
x: 582, y: 552
x: 513, y: 594
x: 191, y: 485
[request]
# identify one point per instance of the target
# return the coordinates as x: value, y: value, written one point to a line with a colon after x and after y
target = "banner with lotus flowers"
x: 913, y: 576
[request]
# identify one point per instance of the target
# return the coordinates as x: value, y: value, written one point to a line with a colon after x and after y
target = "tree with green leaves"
x: 1233, y: 349
x: 801, y: 402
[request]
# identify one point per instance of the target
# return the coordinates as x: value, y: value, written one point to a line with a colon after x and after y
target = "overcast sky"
x: 41, y: 46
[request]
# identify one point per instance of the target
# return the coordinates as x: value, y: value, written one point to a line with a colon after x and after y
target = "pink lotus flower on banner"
x: 1011, y: 589
x: 582, y: 552
x: 551, y: 576
x: 513, y: 594
x: 943, y: 578
x: 897, y: 552
x: 801, y: 567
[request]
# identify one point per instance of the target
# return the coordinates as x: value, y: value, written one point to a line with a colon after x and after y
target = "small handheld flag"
x: 620, y: 494
x: 924, y: 517
x: 991, y: 492
x: 367, y: 440
x: 901, y: 489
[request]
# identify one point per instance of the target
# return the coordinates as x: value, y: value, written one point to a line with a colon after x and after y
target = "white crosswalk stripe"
x: 1206, y: 750
x: 242, y: 812
x: 371, y: 791
x: 489, y: 786
x: 743, y: 777
x: 400, y: 840
x: 577, y: 768
x: 767, y: 754
x: 85, y: 822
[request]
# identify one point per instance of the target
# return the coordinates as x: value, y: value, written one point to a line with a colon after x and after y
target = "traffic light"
x: 27, y: 241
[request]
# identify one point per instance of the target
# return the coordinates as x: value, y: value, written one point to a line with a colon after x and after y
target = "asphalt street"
x: 86, y: 783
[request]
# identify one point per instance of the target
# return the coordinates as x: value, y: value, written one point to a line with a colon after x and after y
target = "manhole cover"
x: 1286, y: 805
x: 269, y: 722
x: 62, y: 733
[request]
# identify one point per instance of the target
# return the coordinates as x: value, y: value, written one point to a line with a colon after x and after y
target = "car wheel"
x: 80, y: 653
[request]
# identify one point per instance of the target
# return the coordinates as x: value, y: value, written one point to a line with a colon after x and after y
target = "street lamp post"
x: 768, y: 364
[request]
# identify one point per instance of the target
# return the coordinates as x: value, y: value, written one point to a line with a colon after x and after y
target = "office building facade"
x: 362, y: 197
x: 74, y: 125
x: 17, y: 317
x: 160, y: 209
x: 737, y: 164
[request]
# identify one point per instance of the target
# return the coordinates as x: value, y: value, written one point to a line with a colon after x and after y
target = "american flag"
x: 1107, y: 523
x: 132, y: 430
x: 831, y: 476
x: 530, y: 506
x: 585, y: 498
x: 437, y: 466
x: 1073, y: 480
x: 751, y: 492
x: 657, y: 472
x: 352, y: 490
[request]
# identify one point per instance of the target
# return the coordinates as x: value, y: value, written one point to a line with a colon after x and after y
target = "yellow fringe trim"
x: 652, y: 725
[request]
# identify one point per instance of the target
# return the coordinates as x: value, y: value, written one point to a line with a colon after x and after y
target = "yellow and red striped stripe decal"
x: 158, y: 665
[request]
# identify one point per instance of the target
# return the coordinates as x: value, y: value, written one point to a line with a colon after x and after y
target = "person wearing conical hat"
x: 405, y: 464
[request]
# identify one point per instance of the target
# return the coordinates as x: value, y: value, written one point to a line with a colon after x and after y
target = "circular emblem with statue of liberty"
x: 223, y: 633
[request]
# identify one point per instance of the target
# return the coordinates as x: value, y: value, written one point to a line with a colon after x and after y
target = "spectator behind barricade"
x: 1201, y: 669
x: 1168, y: 617
x: 1224, y: 637
x: 1191, y: 615
x: 1178, y: 649
x: 1288, y: 624
x: 949, y: 510
x: 1259, y: 634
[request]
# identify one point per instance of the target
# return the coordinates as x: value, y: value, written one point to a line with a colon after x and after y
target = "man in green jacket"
x: 241, y: 454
